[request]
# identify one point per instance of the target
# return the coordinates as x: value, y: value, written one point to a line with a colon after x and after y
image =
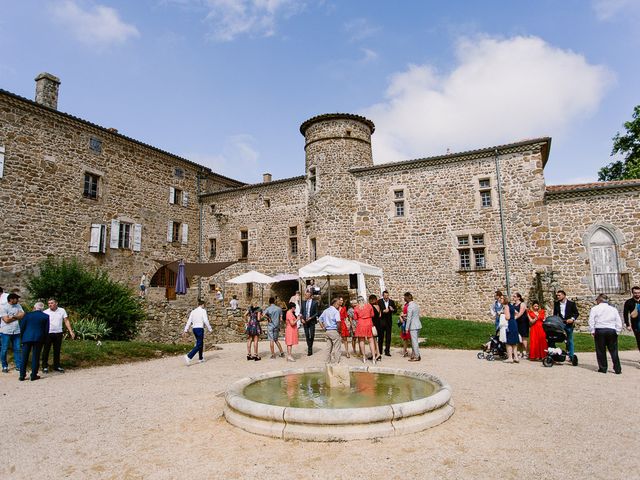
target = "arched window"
x: 604, y: 262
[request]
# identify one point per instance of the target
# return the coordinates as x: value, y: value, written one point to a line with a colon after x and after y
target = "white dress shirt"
x: 604, y: 315
x: 56, y: 317
x: 198, y: 319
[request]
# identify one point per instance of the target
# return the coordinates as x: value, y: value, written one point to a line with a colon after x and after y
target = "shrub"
x: 89, y: 327
x: 88, y: 292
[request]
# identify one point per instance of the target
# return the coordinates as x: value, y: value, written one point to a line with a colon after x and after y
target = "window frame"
x: 88, y: 178
x: 244, y: 244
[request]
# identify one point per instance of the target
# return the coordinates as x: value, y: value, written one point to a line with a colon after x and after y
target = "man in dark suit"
x: 34, y: 328
x: 568, y: 312
x: 309, y: 314
x: 387, y: 307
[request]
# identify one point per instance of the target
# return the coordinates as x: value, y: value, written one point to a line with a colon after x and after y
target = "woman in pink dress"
x: 537, y: 337
x: 291, y: 330
x: 363, y: 314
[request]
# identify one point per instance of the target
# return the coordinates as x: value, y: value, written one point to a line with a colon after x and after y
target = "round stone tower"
x: 334, y: 144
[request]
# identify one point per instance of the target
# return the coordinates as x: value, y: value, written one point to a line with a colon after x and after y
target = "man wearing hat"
x: 10, y: 314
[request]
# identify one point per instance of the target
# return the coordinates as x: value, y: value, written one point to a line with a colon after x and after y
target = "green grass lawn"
x: 466, y: 335
x: 85, y: 353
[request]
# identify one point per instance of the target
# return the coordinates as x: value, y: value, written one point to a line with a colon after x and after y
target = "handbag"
x: 374, y: 331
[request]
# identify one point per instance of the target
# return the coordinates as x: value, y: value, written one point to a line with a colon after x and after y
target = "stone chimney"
x: 47, y: 90
x: 266, y: 177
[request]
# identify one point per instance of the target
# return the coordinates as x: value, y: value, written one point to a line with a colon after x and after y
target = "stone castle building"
x: 451, y: 229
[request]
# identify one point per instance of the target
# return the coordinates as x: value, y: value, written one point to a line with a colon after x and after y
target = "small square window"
x: 480, y: 261
x: 313, y: 249
x: 124, y: 235
x: 267, y: 203
x: 178, y: 172
x: 95, y: 144
x: 90, y: 189
x: 485, y: 198
x: 398, y: 194
x: 463, y: 241
x: 175, y: 235
x: 477, y: 239
x: 313, y: 183
x: 177, y: 196
x: 293, y: 231
x: 244, y: 244
x: 465, y: 259
x: 485, y: 183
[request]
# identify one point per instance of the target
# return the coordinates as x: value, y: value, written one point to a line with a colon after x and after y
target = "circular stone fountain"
x: 380, y: 402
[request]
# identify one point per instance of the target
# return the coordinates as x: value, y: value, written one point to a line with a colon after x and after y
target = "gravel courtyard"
x: 161, y: 419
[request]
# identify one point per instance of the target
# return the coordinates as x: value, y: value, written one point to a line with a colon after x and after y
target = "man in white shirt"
x: 197, y: 319
x: 605, y: 324
x: 10, y: 314
x: 329, y: 320
x: 57, y: 316
x: 234, y: 304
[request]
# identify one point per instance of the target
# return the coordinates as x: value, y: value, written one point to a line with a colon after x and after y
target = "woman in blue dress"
x: 513, y: 337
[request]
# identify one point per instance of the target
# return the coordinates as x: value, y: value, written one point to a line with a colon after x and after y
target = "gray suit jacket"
x: 413, y: 317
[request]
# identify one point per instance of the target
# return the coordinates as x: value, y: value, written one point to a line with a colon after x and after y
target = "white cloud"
x: 608, y: 9
x: 500, y: 91
x: 96, y: 25
x: 237, y: 159
x: 368, y: 55
x: 231, y: 18
x: 360, y: 29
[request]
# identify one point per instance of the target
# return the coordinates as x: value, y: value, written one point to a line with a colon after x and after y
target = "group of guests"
x: 31, y: 335
x: 361, y: 323
x: 521, y: 328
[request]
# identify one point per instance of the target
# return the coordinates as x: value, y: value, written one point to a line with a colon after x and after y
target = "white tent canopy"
x: 252, y: 277
x: 329, y: 266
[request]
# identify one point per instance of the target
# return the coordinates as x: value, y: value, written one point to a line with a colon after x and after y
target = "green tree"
x: 89, y: 292
x: 628, y: 145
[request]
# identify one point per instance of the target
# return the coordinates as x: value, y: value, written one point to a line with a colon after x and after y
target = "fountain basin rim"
x: 236, y: 400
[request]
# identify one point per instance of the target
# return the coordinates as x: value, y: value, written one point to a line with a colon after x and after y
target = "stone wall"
x: 419, y: 251
x: 166, y: 320
x: 266, y: 212
x: 574, y: 217
x: 47, y: 154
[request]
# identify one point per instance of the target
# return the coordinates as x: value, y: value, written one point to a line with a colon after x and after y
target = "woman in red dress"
x: 345, y: 327
x: 363, y: 314
x: 537, y: 337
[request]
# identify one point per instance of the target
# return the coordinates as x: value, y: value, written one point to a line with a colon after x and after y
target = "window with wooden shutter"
x: 170, y: 231
x: 1, y: 161
x: 137, y: 237
x: 172, y: 195
x: 185, y: 233
x: 185, y: 199
x: 98, y: 238
x: 115, y: 234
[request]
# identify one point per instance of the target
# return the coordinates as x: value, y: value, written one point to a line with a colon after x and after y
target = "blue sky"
x: 227, y: 83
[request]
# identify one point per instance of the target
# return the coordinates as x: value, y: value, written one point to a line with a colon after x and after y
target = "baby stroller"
x: 492, y: 349
x: 554, y: 330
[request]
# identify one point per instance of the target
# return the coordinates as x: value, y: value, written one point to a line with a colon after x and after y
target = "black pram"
x: 554, y: 331
x: 493, y: 348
